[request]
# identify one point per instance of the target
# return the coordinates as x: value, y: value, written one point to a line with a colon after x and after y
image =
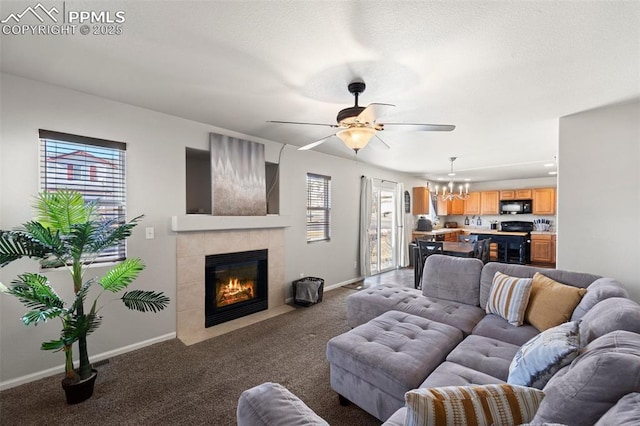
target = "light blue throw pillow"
x: 542, y: 356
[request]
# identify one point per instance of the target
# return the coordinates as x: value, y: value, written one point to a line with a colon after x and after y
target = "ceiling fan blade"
x: 372, y: 112
x: 297, y: 122
x: 378, y: 144
x: 314, y: 144
x: 416, y: 127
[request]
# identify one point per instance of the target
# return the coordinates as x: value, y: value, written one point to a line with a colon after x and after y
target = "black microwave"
x: 515, y: 206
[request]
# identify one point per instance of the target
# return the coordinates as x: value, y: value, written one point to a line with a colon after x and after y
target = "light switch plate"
x: 150, y: 233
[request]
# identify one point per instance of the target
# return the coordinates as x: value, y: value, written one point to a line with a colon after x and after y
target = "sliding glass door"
x: 382, y: 231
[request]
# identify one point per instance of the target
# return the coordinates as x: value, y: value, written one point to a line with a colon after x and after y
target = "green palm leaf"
x: 80, y: 239
x: 121, y: 275
x: 53, y: 345
x: 145, y: 301
x: 15, y: 245
x: 110, y: 233
x: 62, y: 209
x: 34, y: 291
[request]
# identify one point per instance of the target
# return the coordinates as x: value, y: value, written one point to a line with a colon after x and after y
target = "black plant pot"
x: 77, y: 392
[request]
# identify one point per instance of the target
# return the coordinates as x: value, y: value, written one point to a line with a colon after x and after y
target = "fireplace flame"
x: 234, y: 291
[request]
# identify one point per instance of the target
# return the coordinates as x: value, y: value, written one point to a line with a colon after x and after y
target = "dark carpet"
x: 169, y: 383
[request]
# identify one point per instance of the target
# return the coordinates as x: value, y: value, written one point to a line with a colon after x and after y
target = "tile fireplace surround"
x: 193, y: 246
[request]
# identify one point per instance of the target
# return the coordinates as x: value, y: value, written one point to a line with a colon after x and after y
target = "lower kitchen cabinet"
x: 543, y: 249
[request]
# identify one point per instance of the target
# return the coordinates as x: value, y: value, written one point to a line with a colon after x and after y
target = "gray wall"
x: 156, y: 146
x: 599, y: 193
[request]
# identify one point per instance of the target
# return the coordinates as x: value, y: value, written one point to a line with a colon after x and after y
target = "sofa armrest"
x: 271, y: 404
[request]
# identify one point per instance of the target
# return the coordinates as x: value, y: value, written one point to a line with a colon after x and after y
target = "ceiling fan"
x: 359, y: 124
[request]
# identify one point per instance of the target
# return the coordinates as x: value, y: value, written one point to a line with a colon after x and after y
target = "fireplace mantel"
x: 203, y: 222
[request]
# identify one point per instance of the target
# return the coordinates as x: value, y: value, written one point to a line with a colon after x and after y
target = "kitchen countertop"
x: 496, y: 232
x: 441, y: 231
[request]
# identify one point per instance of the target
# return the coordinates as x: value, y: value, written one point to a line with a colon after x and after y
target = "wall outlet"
x: 149, y: 233
x: 301, y: 274
x: 355, y: 264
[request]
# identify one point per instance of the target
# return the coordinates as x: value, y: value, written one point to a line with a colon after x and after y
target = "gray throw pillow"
x: 584, y: 391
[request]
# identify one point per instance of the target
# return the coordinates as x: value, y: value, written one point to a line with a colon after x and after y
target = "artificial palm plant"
x: 68, y: 232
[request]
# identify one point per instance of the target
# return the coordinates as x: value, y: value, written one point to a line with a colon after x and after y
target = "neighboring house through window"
x: 93, y: 167
x: 318, y: 207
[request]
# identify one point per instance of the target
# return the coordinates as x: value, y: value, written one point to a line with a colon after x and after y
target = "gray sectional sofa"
x: 441, y: 335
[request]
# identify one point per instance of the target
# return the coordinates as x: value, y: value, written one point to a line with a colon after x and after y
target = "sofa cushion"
x: 610, y: 315
x: 498, y: 328
x: 484, y: 354
x: 370, y: 303
x: 452, y: 278
x: 626, y: 412
x: 541, y: 357
x: 497, y: 404
x: 576, y: 279
x: 267, y: 404
x: 509, y: 297
x: 604, y: 372
x: 551, y: 303
x: 452, y: 374
x: 600, y: 289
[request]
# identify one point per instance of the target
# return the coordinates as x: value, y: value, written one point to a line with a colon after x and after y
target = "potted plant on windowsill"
x: 69, y: 233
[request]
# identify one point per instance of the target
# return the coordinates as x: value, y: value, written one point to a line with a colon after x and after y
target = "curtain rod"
x: 381, y: 180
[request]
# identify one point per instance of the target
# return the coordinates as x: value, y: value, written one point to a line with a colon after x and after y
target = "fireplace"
x: 236, y: 284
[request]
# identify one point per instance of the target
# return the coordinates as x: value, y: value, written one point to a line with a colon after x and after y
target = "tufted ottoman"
x: 367, y: 304
x: 395, y: 352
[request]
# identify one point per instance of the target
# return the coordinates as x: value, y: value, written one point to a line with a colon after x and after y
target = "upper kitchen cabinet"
x: 450, y: 207
x: 472, y: 203
x: 490, y: 202
x: 443, y: 208
x: 457, y: 207
x: 420, y: 200
x: 544, y: 201
x: 516, y: 194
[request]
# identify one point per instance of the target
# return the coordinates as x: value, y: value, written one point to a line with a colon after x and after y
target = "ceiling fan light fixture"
x: 356, y: 138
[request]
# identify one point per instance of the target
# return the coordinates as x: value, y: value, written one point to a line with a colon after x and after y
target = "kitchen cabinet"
x: 508, y: 194
x: 543, y: 249
x: 489, y: 202
x: 443, y: 208
x: 516, y: 194
x: 451, y: 236
x: 450, y: 207
x: 457, y: 206
x: 544, y: 201
x: 420, y: 200
x: 472, y: 204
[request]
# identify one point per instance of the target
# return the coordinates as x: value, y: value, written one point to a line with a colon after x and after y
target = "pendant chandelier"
x: 448, y: 192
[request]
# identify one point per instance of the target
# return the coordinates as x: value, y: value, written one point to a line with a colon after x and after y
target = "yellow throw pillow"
x: 499, y: 405
x: 551, y: 303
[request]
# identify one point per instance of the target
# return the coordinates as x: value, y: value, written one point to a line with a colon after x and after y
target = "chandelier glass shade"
x: 448, y: 192
x: 356, y: 138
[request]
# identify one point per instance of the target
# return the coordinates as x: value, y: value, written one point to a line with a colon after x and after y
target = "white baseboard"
x: 99, y: 357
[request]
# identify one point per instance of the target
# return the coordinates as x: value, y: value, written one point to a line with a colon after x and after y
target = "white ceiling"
x: 502, y: 71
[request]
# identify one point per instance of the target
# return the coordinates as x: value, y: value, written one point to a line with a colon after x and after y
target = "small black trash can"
x: 308, y: 291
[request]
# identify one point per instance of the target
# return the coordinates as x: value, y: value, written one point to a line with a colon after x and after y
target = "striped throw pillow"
x: 499, y: 405
x: 509, y: 297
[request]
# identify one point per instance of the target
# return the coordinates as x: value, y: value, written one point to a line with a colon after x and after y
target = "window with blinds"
x: 93, y: 167
x: 318, y: 207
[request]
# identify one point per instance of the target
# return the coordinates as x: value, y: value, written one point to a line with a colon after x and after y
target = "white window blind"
x: 318, y: 207
x: 93, y: 167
